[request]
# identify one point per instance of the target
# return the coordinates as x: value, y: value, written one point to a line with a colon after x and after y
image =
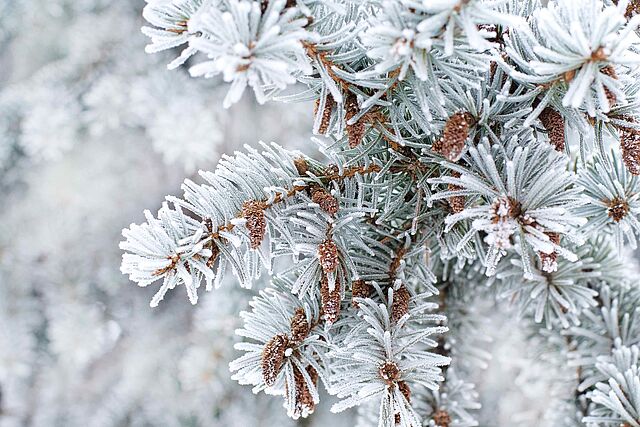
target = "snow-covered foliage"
x: 471, y: 150
x: 451, y: 248
x: 470, y: 147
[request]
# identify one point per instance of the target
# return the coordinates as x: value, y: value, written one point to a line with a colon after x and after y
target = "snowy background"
x: 93, y: 131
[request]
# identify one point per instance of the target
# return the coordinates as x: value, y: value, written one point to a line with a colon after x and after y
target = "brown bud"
x: 456, y: 203
x: 553, y: 123
x: 273, y: 358
x: 390, y: 372
x: 617, y: 209
x: 253, y: 212
x: 325, y: 121
x: 301, y: 166
x: 331, y: 301
x: 305, y: 397
x: 304, y: 404
x: 454, y: 136
x: 360, y: 289
x: 633, y: 8
x: 328, y: 253
x: 400, y: 305
x: 332, y: 171
x: 506, y: 207
x: 630, y: 144
x: 442, y: 418
x: 299, y: 325
x: 327, y: 202
x: 355, y: 131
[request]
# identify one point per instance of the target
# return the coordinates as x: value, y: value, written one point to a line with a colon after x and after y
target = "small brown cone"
x: 305, y: 398
x: 456, y: 203
x: 400, y: 305
x: 301, y: 166
x: 553, y: 122
x: 253, y: 213
x: 618, y: 209
x: 327, y: 202
x: 630, y: 145
x: 442, y: 418
x: 328, y: 254
x: 332, y: 171
x: 633, y: 8
x: 330, y: 301
x: 304, y: 404
x: 325, y: 121
x: 390, y: 372
x: 299, y: 325
x: 454, y: 136
x: 360, y: 289
x: 355, y: 131
x: 273, y: 358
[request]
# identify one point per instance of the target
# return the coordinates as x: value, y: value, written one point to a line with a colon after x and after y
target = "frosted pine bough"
x: 471, y: 148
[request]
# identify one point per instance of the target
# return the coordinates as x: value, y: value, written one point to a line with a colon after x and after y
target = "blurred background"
x: 93, y: 131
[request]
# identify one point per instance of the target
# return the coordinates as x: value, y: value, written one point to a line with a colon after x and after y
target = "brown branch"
x: 351, y: 172
x: 313, y: 52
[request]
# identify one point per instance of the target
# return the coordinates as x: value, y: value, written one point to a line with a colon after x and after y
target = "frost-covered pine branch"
x: 468, y: 150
